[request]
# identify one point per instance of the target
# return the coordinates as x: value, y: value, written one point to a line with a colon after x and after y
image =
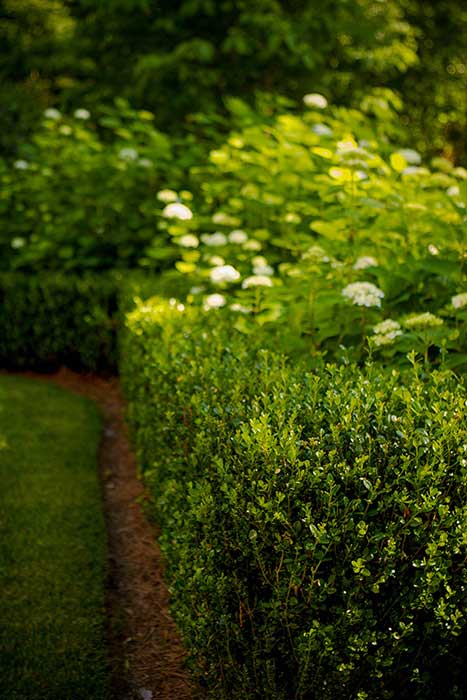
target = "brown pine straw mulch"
x: 146, y: 654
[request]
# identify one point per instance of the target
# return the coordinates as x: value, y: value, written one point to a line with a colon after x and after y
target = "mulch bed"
x: 146, y: 654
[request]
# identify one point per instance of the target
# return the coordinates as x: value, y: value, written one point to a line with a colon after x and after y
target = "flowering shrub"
x: 313, y: 523
x: 83, y: 195
x: 331, y: 229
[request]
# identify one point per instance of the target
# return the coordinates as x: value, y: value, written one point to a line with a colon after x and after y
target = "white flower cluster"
x: 224, y: 273
x: 188, y: 241
x: 167, y: 196
x: 363, y: 294
x: 261, y: 267
x: 82, y: 114
x: 415, y: 170
x: 422, y: 321
x: 238, y: 236
x: 364, y: 262
x: 239, y: 308
x: 314, y: 99
x: 214, y: 239
x: 52, y: 113
x: 459, y: 300
x: 386, y: 332
x: 410, y: 156
x: 257, y: 281
x: 128, y: 154
x: 21, y: 164
x: 321, y: 130
x: 176, y: 210
x: 214, y: 301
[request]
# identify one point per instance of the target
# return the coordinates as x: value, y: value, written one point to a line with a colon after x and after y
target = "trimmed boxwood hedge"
x: 314, y: 523
x: 52, y: 319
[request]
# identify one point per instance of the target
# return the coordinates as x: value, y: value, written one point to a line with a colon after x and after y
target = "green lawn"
x: 52, y: 546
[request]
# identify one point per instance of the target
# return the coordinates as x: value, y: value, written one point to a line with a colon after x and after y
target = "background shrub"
x: 314, y: 523
x: 82, y: 194
x: 52, y: 319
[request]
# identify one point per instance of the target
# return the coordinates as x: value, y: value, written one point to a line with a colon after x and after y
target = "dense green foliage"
x: 434, y: 88
x: 83, y: 195
x: 291, y: 218
x: 52, y: 541
x: 304, y: 211
x: 52, y: 319
x: 312, y: 515
x: 179, y: 59
x: 199, y: 52
x: 314, y: 523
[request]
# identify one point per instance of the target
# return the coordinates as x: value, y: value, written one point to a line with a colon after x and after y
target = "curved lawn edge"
x: 52, y: 546
x: 146, y: 653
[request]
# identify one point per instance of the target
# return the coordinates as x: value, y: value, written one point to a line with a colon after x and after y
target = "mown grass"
x: 52, y: 546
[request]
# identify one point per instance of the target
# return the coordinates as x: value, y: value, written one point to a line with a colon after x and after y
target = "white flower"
x: 387, y: 339
x: 188, y: 241
x: 363, y: 294
x: 252, y: 245
x: 348, y: 146
x: 385, y: 332
x: 128, y: 154
x: 237, y: 236
x: 240, y: 308
x: 21, y: 164
x: 216, y: 260
x: 453, y: 191
x: 364, y: 262
x: 386, y: 327
x: 410, y: 156
x: 424, y: 320
x: 263, y: 270
x: 433, y: 250
x: 176, y: 210
x: 167, y: 196
x: 214, y: 301
x: 224, y: 273
x: 214, y: 239
x: 82, y: 114
x: 17, y: 243
x: 52, y: 113
x: 413, y: 170
x: 196, y: 290
x: 257, y: 281
x: 176, y: 304
x: 314, y: 99
x: 145, y: 163
x: 459, y: 300
x: 321, y: 130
